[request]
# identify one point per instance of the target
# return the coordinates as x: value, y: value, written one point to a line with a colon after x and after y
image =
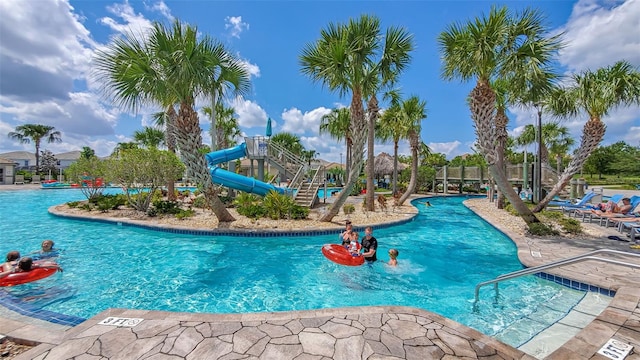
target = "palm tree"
x: 413, y: 110
x: 87, y: 153
x: 167, y: 119
x: 349, y: 58
x: 149, y: 137
x: 35, y: 132
x: 171, y: 66
x: 288, y: 141
x: 123, y: 146
x: 227, y: 128
x: 555, y: 139
x: 394, y: 126
x: 336, y: 124
x: 229, y: 74
x: 595, y: 93
x: 499, y: 45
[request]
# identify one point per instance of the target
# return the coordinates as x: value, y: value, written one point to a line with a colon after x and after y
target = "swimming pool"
x: 444, y: 253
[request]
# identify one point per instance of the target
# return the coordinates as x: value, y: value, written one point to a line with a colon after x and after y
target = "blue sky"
x: 46, y: 48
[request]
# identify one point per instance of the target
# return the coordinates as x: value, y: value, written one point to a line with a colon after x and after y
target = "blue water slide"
x: 233, y: 180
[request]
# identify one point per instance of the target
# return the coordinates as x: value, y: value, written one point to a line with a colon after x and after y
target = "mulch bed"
x: 10, y: 349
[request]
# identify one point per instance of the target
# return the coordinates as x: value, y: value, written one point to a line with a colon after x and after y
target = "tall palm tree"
x: 289, y: 141
x: 229, y: 77
x: 595, y: 93
x: 227, y: 128
x: 350, y: 59
x: 149, y: 137
x: 36, y: 133
x: 167, y: 119
x: 555, y: 139
x: 394, y: 126
x: 173, y: 65
x: 122, y: 147
x: 414, y: 111
x: 87, y: 153
x: 500, y: 45
x: 336, y: 124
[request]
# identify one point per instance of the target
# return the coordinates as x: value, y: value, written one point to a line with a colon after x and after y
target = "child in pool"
x: 12, y: 261
x: 354, y: 245
x: 47, y: 250
x: 393, y: 257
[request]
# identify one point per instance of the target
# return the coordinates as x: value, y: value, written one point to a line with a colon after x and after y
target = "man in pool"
x: 369, y: 245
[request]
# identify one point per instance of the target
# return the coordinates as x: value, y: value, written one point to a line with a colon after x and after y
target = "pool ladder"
x: 555, y: 264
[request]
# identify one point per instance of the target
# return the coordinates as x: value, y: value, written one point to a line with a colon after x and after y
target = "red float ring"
x: 340, y: 255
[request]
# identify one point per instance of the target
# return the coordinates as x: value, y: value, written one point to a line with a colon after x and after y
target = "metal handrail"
x: 567, y: 261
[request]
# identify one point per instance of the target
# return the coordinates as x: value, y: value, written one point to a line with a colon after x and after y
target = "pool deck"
x: 380, y: 332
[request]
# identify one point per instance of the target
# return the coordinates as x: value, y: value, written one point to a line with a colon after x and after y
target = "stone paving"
x: 345, y: 333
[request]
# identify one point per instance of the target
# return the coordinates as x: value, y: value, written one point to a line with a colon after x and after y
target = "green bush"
x: 299, y: 212
x: 183, y: 214
x: 252, y: 211
x: 152, y: 212
x: 277, y: 205
x: 348, y: 209
x: 73, y: 204
x: 571, y: 226
x: 200, y: 202
x: 166, y: 207
x: 541, y: 229
x: 108, y: 202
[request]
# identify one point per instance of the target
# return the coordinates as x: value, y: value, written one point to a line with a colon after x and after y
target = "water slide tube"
x: 233, y: 180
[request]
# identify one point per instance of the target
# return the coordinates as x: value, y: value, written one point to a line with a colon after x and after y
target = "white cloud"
x: 235, y: 25
x: 250, y: 114
x: 253, y: 69
x: 450, y: 149
x: 599, y: 33
x: 131, y: 21
x: 163, y: 9
x: 297, y: 122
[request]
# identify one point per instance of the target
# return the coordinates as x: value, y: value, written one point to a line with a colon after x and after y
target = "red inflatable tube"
x: 340, y: 255
x: 27, y: 276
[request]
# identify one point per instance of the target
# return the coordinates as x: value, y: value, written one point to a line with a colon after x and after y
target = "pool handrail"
x: 567, y: 261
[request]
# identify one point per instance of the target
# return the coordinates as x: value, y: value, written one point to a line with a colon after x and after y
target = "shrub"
x: 571, y: 226
x: 73, y: 204
x: 152, y: 212
x: 253, y: 211
x: 277, y: 205
x: 183, y: 214
x: 166, y: 207
x: 541, y: 229
x: 200, y: 202
x: 299, y: 212
x: 348, y: 209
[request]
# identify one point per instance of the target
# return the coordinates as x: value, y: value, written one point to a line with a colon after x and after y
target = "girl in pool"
x: 354, y: 245
x: 393, y: 257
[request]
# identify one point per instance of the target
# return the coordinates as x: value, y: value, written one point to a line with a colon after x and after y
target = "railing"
x: 568, y: 261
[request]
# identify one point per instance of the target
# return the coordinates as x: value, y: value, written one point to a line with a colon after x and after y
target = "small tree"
x: 91, y: 173
x: 142, y: 171
x: 48, y: 162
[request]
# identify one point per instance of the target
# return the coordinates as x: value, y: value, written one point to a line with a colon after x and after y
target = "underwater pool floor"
x: 357, y: 332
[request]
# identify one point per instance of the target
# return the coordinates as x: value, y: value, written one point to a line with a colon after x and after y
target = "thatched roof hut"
x: 383, y: 165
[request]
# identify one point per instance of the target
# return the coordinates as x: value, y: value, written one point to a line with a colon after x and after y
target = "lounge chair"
x: 19, y: 179
x: 582, y: 202
x: 35, y: 179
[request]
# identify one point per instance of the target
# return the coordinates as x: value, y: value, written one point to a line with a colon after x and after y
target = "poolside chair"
x: 19, y: 179
x: 582, y: 202
x: 35, y: 179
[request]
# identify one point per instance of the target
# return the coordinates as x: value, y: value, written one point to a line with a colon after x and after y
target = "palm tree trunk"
x: 372, y: 112
x: 592, y: 134
x: 483, y: 112
x: 37, y: 141
x: 358, y: 129
x: 171, y: 145
x: 189, y: 138
x: 415, y: 142
x: 501, y: 133
x: 395, y: 167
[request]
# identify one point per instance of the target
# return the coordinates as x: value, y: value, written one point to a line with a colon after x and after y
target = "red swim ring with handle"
x: 340, y: 255
x: 27, y: 276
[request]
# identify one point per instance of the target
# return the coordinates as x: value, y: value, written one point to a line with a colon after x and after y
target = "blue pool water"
x: 444, y: 253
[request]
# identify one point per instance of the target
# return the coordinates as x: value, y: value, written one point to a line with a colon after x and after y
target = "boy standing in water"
x: 369, y: 245
x: 393, y: 257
